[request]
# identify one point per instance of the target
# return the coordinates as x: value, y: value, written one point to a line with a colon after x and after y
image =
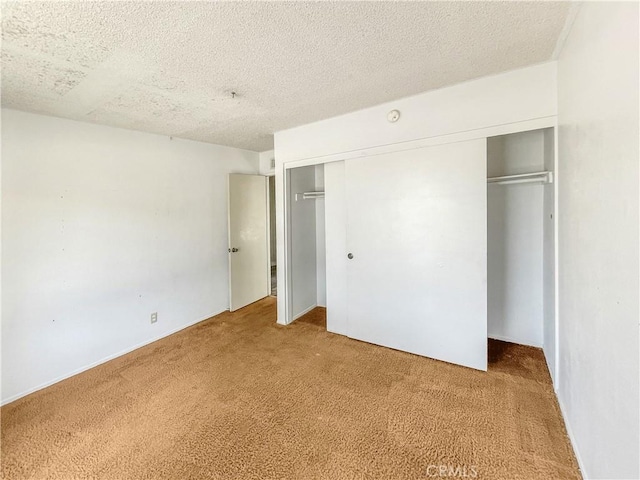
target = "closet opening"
x: 307, y: 252
x: 521, y: 241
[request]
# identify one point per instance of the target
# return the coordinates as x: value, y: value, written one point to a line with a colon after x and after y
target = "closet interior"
x: 520, y: 239
x: 307, y: 254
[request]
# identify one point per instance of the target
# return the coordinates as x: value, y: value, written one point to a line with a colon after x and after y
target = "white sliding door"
x: 417, y: 234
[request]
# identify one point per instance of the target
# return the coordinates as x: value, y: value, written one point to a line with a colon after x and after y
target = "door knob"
x: 350, y: 256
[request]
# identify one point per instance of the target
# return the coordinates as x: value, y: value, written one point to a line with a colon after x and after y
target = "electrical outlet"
x: 154, y: 317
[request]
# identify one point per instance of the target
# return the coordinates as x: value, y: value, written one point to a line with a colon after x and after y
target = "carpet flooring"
x: 240, y: 397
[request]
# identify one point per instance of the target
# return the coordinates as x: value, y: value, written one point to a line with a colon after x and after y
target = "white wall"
x: 499, y: 101
x: 515, y: 240
x: 523, y: 94
x: 266, y: 160
x: 598, y: 238
x: 100, y: 228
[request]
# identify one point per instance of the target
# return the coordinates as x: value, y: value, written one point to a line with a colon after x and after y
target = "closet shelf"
x: 309, y: 195
x: 534, y: 177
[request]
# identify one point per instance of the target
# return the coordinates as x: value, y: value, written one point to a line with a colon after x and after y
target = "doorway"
x: 249, y: 258
x: 272, y: 235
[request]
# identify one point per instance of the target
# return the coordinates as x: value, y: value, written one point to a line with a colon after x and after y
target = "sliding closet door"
x: 417, y: 251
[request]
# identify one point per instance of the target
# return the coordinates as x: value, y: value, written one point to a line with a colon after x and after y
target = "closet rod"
x: 535, y: 177
x: 309, y: 195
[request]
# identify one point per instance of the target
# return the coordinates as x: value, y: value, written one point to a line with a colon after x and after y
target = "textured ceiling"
x: 170, y: 67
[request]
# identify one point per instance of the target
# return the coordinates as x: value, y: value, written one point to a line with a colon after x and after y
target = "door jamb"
x: 268, y: 176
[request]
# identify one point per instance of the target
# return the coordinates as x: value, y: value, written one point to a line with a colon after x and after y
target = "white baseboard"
x: 504, y: 338
x: 13, y: 398
x: 304, y: 312
x: 572, y: 439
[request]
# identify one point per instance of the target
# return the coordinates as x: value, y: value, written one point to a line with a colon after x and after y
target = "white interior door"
x: 249, y: 265
x: 417, y: 231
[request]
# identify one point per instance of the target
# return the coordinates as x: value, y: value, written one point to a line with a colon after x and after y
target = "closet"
x: 429, y: 250
x: 306, y: 239
x: 520, y: 239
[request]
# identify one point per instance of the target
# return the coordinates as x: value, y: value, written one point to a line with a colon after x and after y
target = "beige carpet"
x: 239, y: 397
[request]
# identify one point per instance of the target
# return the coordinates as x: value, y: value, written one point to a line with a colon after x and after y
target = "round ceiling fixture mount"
x: 393, y: 116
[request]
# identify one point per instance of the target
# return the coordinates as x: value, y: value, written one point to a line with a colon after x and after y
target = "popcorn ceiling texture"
x: 240, y: 397
x: 170, y: 67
